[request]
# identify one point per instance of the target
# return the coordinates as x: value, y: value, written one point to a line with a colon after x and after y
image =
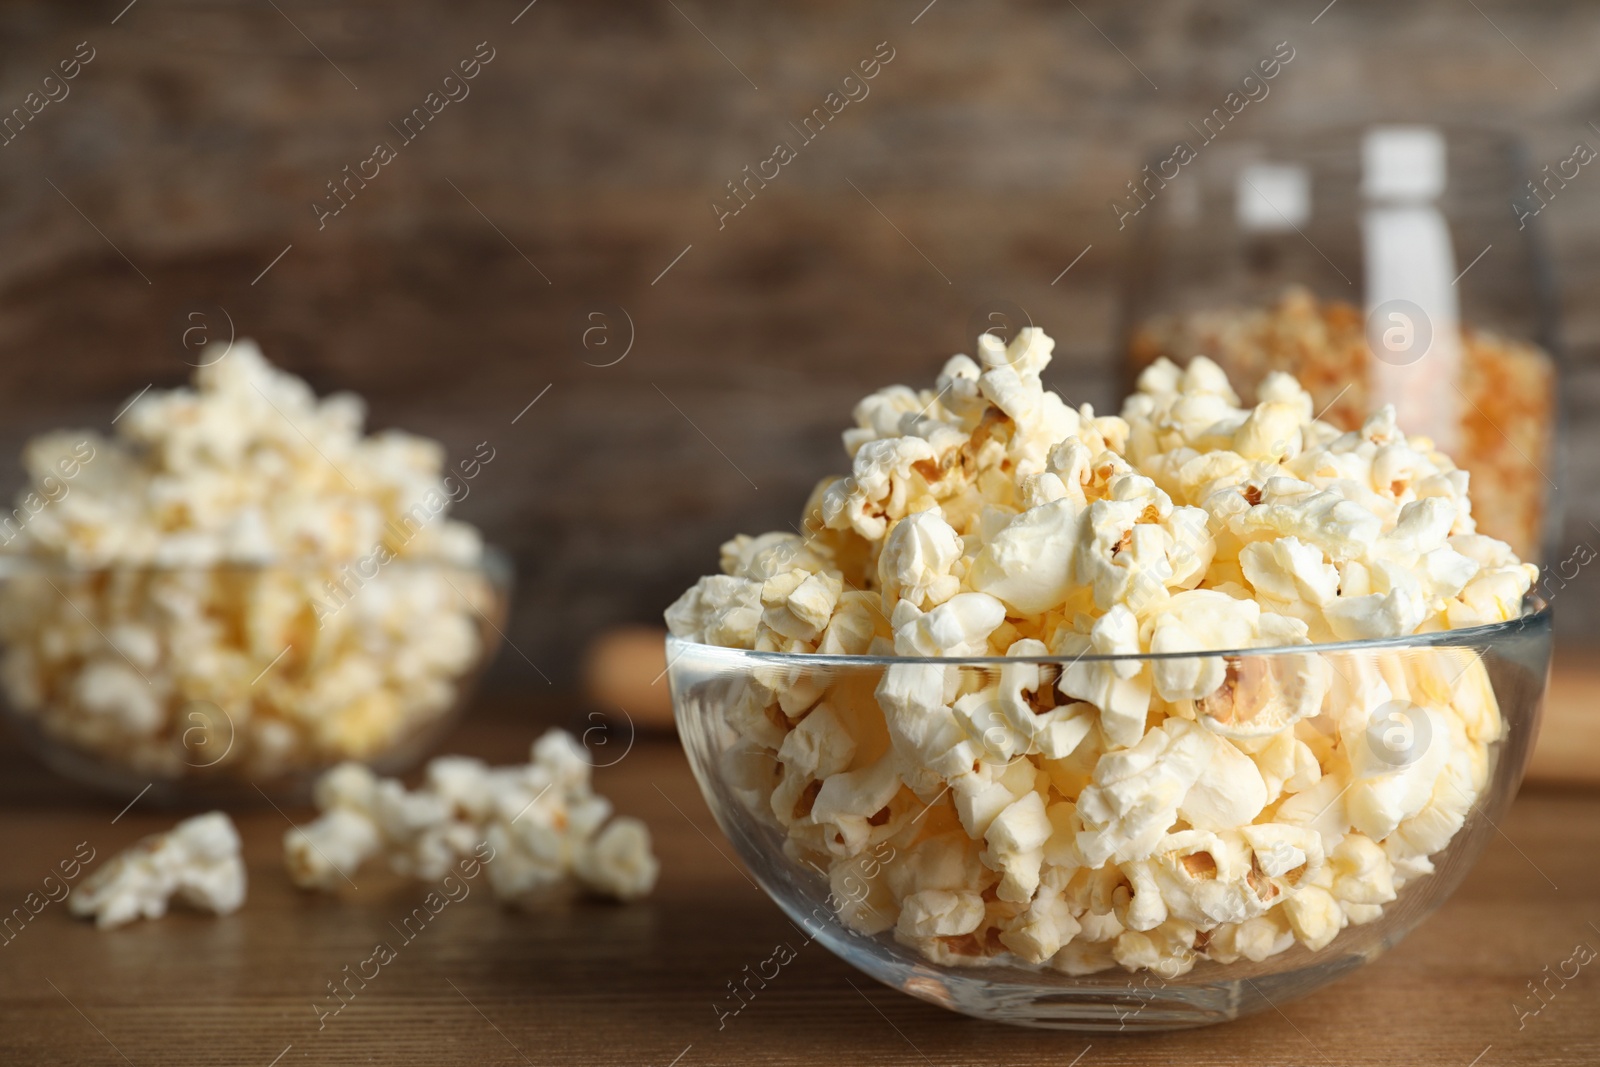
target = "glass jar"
x: 1378, y: 265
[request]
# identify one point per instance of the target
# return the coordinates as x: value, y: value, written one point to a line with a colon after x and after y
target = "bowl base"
x: 1108, y: 1002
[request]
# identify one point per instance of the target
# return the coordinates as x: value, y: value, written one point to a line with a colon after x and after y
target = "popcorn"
x: 1136, y: 792
x: 196, y: 861
x: 536, y: 826
x: 854, y: 808
x: 1029, y: 564
x: 619, y: 863
x: 959, y: 627
x: 720, y: 610
x: 240, y: 581
x: 1119, y: 688
x: 322, y: 853
x: 1039, y: 932
x: 940, y: 913
x: 1151, y: 760
x: 1016, y: 838
x: 815, y: 750
x: 916, y: 560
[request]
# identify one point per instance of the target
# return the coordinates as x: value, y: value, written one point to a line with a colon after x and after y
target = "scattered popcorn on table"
x: 196, y: 861
x: 1094, y: 814
x: 544, y: 826
x: 241, y: 581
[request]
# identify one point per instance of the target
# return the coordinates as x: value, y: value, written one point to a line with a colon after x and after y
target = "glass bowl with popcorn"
x: 239, y: 589
x: 1109, y: 722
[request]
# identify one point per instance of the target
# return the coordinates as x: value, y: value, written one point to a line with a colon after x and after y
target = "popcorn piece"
x: 1315, y: 917
x: 1152, y: 759
x: 1029, y: 564
x: 1016, y: 838
x: 1205, y: 879
x: 197, y: 862
x: 536, y: 826
x: 989, y: 789
x: 1168, y: 949
x: 940, y: 913
x: 916, y: 560
x: 1229, y: 792
x: 1255, y: 939
x: 719, y: 610
x: 1136, y: 793
x: 1260, y: 696
x: 1362, y: 873
x: 959, y: 627
x: 1396, y: 760
x: 1019, y: 715
x: 618, y: 863
x: 319, y: 855
x: 1119, y: 688
x: 815, y: 750
x: 1038, y: 932
x: 854, y: 807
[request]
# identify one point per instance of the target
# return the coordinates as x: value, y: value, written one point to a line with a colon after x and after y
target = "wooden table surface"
x: 600, y: 984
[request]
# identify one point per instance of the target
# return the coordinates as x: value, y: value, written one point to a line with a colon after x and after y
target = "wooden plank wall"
x: 456, y: 285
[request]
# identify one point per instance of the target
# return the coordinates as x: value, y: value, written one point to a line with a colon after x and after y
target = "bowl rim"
x: 1536, y: 613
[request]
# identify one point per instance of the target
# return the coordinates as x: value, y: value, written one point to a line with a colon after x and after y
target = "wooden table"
x: 596, y: 984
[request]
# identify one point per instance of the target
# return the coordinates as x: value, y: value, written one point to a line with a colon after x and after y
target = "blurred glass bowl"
x: 731, y: 722
x: 211, y: 682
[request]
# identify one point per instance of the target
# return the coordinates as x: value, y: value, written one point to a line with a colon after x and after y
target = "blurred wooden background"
x: 457, y: 285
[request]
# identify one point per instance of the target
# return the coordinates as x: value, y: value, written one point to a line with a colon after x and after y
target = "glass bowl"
x: 1453, y: 714
x: 216, y: 682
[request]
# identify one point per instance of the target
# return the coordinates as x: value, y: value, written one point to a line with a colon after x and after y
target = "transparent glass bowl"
x: 211, y: 683
x: 735, y: 707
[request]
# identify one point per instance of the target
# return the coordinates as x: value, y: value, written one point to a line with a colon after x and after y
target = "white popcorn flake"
x: 534, y: 827
x: 1207, y: 879
x: 1119, y: 688
x: 1136, y: 793
x: 1362, y: 873
x: 1315, y: 916
x: 1396, y: 757
x: 1168, y: 949
x: 981, y: 794
x: 1020, y: 715
x: 719, y: 610
x: 1162, y: 767
x: 940, y: 913
x: 959, y: 627
x: 1229, y: 792
x: 916, y: 560
x: 854, y: 807
x: 1254, y: 939
x: 1016, y: 838
x: 816, y: 749
x: 197, y: 863
x: 1291, y: 576
x: 1039, y: 931
x: 320, y: 854
x: 618, y: 863
x: 1029, y: 564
